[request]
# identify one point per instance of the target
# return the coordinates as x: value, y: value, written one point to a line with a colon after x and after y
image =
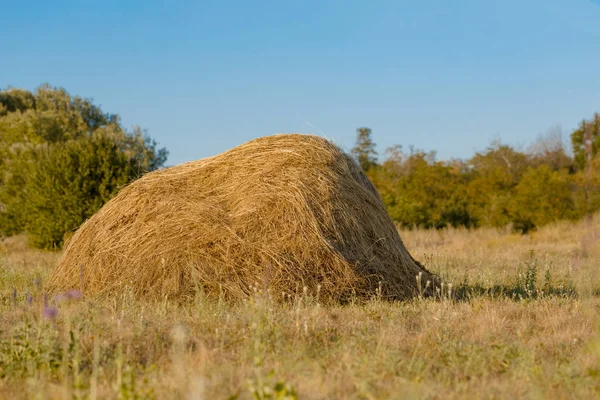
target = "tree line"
x: 61, y: 159
x: 500, y: 186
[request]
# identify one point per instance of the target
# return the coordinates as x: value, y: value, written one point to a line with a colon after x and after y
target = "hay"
x: 279, y: 213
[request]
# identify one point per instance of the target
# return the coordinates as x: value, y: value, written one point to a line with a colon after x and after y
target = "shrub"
x: 71, y: 181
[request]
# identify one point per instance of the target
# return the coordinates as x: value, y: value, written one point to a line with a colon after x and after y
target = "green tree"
x: 51, y: 120
x: 70, y: 181
x: 494, y: 174
x: 497, y: 187
x: 420, y: 191
x: 589, y: 128
x: 541, y: 197
x: 587, y: 190
x: 364, y: 151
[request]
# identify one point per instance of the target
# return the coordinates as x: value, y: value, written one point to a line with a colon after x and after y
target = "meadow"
x: 520, y: 320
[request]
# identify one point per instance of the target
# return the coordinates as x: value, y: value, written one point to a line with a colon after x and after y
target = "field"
x: 522, y: 322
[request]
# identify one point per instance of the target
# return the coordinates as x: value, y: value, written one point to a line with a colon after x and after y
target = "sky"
x: 205, y: 76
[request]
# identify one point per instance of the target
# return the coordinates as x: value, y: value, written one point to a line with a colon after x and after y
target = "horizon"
x: 205, y: 78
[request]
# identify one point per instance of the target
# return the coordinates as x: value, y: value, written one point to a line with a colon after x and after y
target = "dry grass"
x: 279, y: 213
x: 569, y: 251
x: 541, y: 344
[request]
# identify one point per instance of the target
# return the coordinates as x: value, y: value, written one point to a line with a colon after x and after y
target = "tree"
x: 70, y: 181
x: 549, y: 149
x: 364, y: 151
x: 497, y: 187
x: 587, y: 129
x: 542, y: 196
x: 493, y: 175
x: 43, y: 124
x: 141, y: 150
x: 420, y: 191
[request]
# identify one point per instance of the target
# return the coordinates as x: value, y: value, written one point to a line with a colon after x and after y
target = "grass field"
x: 524, y: 324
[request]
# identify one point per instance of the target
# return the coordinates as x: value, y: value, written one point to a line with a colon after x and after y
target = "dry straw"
x: 279, y: 213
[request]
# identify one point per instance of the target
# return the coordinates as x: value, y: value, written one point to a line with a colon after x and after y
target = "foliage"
x: 70, y: 182
x: 364, y: 151
x: 43, y: 169
x: 498, y: 187
x: 591, y: 128
x: 542, y: 196
x: 550, y: 150
x: 419, y: 191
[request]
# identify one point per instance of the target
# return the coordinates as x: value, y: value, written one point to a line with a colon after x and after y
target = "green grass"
x: 523, y: 324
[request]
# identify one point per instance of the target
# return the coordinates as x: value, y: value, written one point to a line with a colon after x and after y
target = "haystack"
x: 277, y: 214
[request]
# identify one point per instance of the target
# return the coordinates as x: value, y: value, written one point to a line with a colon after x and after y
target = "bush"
x: 541, y: 197
x: 61, y: 158
x: 69, y: 183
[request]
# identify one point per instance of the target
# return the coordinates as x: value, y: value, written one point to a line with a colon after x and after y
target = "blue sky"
x: 205, y: 76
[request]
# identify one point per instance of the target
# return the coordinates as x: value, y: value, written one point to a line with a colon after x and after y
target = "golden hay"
x: 279, y: 213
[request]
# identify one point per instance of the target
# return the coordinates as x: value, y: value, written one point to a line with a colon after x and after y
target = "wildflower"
x: 73, y: 294
x: 69, y: 295
x: 50, y: 312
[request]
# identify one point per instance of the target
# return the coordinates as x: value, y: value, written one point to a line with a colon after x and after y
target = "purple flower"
x: 69, y: 295
x: 73, y: 294
x: 50, y: 312
x: 29, y: 299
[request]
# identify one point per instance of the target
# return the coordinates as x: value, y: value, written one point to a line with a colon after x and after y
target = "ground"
x: 522, y: 322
